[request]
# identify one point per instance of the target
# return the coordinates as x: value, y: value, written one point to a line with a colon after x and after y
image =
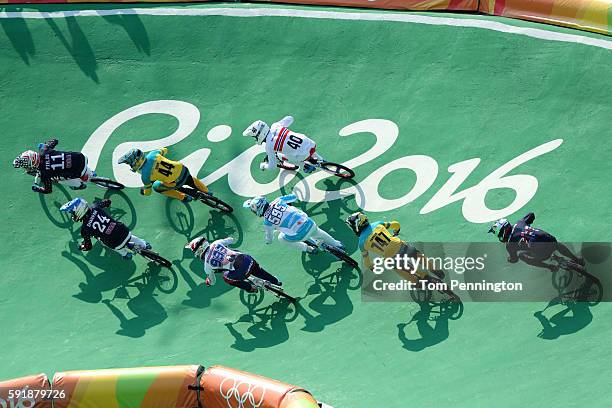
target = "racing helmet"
x: 134, y: 157
x: 259, y: 130
x: 502, y: 229
x: 27, y: 160
x: 357, y: 222
x: 257, y: 204
x: 198, y: 246
x: 78, y: 207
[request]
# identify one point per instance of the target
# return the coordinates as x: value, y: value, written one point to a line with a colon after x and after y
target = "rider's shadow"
x: 430, y: 333
x: 574, y: 317
x: 51, y: 204
x: 147, y: 310
x: 575, y: 294
x: 267, y: 327
x: 121, y: 209
x: 219, y: 224
x: 199, y: 295
x: 335, y: 212
x: 331, y: 302
x: 116, y: 271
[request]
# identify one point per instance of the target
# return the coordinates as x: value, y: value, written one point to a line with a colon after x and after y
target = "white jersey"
x: 219, y: 257
x: 289, y: 220
x: 295, y: 147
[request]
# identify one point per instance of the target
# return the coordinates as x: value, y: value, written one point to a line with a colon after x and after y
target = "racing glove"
x: 85, y: 245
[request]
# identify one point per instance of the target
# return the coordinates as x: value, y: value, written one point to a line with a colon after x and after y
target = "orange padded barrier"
x: 30, y: 391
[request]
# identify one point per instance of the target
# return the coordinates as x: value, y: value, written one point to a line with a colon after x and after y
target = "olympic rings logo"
x: 241, y: 393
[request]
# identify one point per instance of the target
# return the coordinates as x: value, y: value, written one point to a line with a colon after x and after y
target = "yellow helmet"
x: 358, y: 222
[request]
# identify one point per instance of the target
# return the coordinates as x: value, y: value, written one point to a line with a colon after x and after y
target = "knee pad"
x: 159, y: 186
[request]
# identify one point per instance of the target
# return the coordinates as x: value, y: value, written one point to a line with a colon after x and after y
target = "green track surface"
x: 455, y: 93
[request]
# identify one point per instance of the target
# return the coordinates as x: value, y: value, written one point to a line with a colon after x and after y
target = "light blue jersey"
x: 289, y: 220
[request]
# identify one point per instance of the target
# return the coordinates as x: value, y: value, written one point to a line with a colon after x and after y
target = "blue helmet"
x: 134, y: 157
x: 257, y: 204
x: 78, y: 207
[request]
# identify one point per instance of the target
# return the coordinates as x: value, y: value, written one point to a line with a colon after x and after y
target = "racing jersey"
x: 289, y: 220
x: 57, y: 164
x: 378, y: 240
x: 296, y: 147
x: 219, y: 257
x: 97, y: 223
x: 159, y: 168
x: 523, y: 236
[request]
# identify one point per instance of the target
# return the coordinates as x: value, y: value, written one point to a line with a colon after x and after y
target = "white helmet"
x: 502, y: 229
x: 78, y: 207
x: 257, y: 204
x: 199, y: 246
x: 259, y: 130
x: 27, y: 160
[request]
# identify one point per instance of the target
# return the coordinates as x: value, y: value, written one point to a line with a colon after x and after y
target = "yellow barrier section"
x: 588, y: 15
x: 148, y: 387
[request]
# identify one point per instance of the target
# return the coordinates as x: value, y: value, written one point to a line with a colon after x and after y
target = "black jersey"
x: 57, y: 164
x: 524, y: 237
x: 97, y: 223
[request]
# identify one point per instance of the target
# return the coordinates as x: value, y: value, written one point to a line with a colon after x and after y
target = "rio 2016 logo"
x: 241, y: 182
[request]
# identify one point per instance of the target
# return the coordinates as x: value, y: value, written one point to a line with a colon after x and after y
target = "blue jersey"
x: 289, y: 220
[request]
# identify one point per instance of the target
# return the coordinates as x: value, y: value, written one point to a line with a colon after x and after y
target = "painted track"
x: 455, y: 92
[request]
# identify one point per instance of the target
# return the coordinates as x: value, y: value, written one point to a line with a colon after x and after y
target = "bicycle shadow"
x: 51, y: 204
x: 121, y: 209
x: 577, y: 301
x: 573, y: 318
x: 77, y: 46
x: 219, y: 225
x: 430, y: 334
x: 331, y: 302
x: 267, y: 326
x: 199, y: 295
x: 116, y: 271
x: 134, y: 28
x: 147, y: 310
x: 19, y: 35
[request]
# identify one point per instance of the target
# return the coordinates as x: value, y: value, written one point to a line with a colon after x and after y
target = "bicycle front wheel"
x: 338, y: 170
x: 107, y: 183
x: 343, y: 256
x: 155, y: 257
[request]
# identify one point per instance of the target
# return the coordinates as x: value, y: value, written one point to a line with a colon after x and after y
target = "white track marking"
x: 405, y: 17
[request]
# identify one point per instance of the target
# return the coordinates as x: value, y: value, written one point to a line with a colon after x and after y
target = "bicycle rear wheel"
x: 338, y: 170
x: 107, y: 183
x: 155, y: 257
